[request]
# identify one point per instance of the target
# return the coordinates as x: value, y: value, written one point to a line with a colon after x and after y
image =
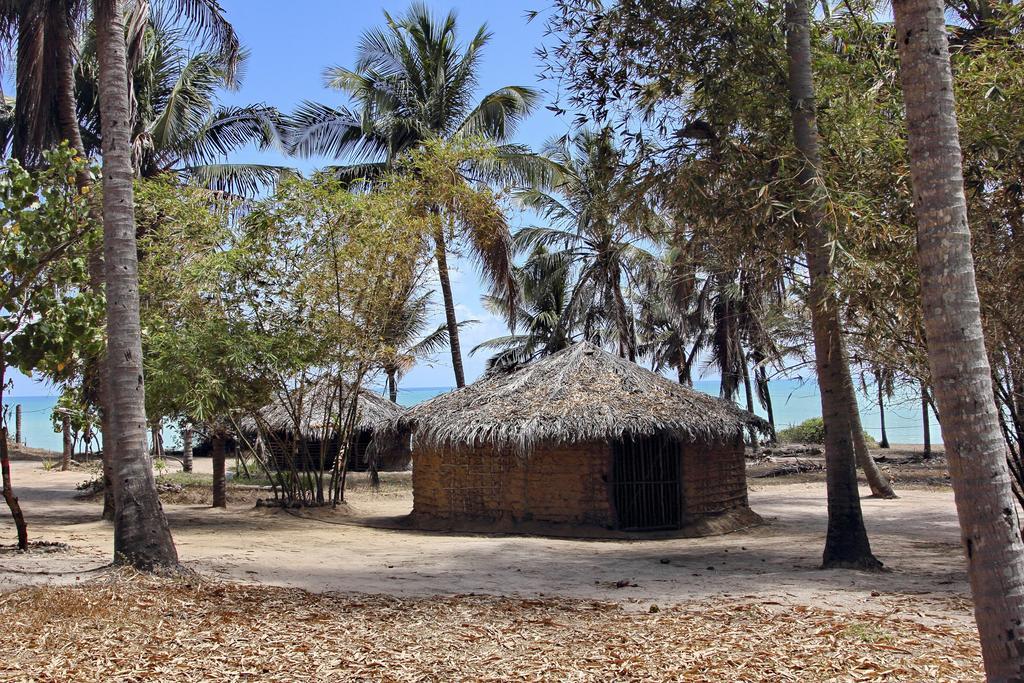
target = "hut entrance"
x: 647, y: 483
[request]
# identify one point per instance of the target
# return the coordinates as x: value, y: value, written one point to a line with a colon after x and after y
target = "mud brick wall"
x: 714, y: 478
x: 566, y: 484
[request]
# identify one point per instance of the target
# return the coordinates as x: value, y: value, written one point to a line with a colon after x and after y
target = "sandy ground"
x: 916, y: 537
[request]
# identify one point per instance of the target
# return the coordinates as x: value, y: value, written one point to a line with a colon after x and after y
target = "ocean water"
x: 793, y: 400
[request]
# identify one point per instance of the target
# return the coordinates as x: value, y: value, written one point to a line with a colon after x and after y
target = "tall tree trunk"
x: 846, y: 543
x: 220, y: 478
x: 186, y: 449
x: 441, y: 255
x: 926, y: 423
x: 95, y: 372
x: 961, y: 377
x: 884, y: 443
x: 5, y: 469
x: 142, y: 537
x: 65, y: 460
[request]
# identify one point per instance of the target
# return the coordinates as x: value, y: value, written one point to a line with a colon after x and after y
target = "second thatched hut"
x: 579, y: 442
x: 314, y: 444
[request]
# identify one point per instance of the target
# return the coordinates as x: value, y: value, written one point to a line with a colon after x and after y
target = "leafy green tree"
x: 48, y: 320
x: 202, y: 365
x: 411, y: 84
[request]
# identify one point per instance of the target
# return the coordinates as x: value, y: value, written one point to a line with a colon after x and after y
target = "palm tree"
x: 177, y: 126
x: 43, y: 34
x: 541, y: 312
x: 599, y: 227
x: 961, y: 377
x: 405, y: 322
x: 141, y: 535
x: 846, y: 543
x: 411, y: 83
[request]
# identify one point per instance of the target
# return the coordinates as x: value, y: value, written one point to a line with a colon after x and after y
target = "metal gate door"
x: 647, y: 483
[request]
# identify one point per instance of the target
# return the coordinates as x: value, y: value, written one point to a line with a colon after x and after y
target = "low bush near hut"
x: 812, y: 431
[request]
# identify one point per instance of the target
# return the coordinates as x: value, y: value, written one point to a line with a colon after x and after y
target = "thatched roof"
x: 373, y: 411
x: 576, y: 395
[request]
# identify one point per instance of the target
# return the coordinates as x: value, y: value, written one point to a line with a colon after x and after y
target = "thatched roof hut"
x: 579, y: 438
x: 317, y: 406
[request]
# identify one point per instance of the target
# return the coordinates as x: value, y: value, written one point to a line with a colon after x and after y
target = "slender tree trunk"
x: 220, y: 479
x: 186, y: 449
x: 157, y: 437
x: 961, y: 377
x: 441, y: 255
x: 879, y: 484
x: 926, y: 423
x: 846, y: 543
x: 12, y: 500
x: 392, y: 386
x: 65, y: 461
x: 142, y: 537
x: 5, y: 469
x: 750, y: 399
x: 884, y: 443
x: 17, y: 425
x: 761, y: 377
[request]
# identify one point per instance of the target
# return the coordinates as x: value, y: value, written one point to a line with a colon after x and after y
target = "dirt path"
x: 916, y: 536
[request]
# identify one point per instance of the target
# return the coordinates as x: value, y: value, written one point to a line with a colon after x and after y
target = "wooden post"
x: 17, y: 425
x: 69, y: 444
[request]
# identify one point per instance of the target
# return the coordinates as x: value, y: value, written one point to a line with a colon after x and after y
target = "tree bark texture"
x: 441, y: 255
x: 69, y: 444
x: 846, y: 542
x: 186, y: 449
x: 220, y: 477
x: 961, y: 377
x: 142, y: 537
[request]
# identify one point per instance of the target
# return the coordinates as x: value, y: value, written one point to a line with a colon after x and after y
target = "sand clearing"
x: 916, y: 536
x: 751, y: 605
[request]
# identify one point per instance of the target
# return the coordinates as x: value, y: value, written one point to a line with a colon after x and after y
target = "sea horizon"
x: 793, y: 400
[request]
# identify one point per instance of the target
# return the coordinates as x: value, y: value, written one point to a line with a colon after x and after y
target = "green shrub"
x: 808, y: 431
x: 813, y: 431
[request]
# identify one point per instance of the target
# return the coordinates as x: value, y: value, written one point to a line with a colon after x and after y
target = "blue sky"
x: 292, y: 43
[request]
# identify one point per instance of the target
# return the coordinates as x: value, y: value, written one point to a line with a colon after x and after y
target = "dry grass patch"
x: 131, y: 628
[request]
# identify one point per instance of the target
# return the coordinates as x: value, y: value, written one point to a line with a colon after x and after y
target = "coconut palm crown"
x: 413, y: 82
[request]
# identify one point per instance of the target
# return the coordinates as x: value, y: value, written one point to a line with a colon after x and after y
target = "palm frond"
x: 245, y: 180
x: 208, y: 21
x: 316, y: 129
